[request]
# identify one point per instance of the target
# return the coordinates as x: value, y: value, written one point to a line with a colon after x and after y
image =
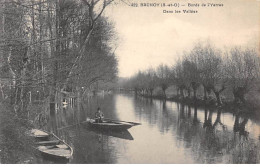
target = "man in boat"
x: 99, y: 116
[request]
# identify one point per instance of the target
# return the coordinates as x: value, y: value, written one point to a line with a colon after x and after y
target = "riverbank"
x: 247, y: 109
x: 15, y: 146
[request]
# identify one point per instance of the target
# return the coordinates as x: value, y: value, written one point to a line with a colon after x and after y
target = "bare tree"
x: 179, y: 79
x: 93, y: 17
x: 164, y: 77
x: 211, y: 71
x: 45, y: 45
x: 151, y: 79
x: 242, y: 71
x: 191, y: 70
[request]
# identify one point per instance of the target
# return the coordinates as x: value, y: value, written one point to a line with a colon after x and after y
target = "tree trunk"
x: 13, y: 75
x: 2, y: 92
x: 217, y: 119
x: 2, y: 31
x: 239, y: 94
x: 164, y: 93
x: 182, y: 93
x: 217, y: 94
x: 189, y: 93
x: 195, y: 94
x: 54, y: 53
x: 77, y: 60
x: 205, y: 93
x: 151, y: 92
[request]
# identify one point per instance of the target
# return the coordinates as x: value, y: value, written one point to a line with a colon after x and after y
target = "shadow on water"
x: 125, y: 134
x: 240, y: 125
x: 213, y: 142
x: 207, y: 135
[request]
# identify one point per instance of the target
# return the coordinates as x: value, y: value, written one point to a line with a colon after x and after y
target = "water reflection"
x: 240, y: 126
x: 170, y: 133
x: 125, y: 134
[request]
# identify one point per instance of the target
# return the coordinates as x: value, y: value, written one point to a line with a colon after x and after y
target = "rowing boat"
x: 38, y: 134
x: 109, y: 125
x: 122, y: 134
x: 51, y: 145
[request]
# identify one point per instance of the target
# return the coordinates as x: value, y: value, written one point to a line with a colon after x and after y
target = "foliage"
x: 54, y: 46
x: 205, y: 65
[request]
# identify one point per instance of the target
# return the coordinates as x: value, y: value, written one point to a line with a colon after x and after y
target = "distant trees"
x: 145, y: 82
x: 207, y: 67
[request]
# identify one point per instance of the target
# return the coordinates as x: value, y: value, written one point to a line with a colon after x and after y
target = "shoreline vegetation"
x: 15, y: 145
x: 206, y: 76
x: 48, y: 48
x: 228, y: 106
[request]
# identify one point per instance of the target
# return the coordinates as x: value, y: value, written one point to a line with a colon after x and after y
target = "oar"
x: 134, y: 123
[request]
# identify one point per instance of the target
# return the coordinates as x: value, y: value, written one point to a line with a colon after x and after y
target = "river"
x: 170, y: 133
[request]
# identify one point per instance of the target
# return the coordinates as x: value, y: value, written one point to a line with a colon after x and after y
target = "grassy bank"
x: 15, y: 145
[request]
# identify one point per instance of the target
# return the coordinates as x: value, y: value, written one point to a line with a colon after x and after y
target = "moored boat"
x: 39, y: 134
x: 52, y: 146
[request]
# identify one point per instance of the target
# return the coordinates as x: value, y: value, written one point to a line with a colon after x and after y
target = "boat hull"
x: 54, y: 158
x: 53, y: 148
x: 109, y: 125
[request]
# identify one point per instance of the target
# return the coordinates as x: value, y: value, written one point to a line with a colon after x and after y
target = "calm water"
x: 170, y: 133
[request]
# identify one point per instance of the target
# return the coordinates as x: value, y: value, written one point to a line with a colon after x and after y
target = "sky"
x: 148, y: 37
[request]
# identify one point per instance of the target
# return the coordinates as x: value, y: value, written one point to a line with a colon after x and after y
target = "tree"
x: 211, y: 71
x: 46, y: 45
x: 179, y: 79
x: 242, y: 71
x: 164, y: 77
x: 151, y: 80
x: 191, y: 68
x: 99, y: 63
x: 15, y: 52
x: 92, y: 19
